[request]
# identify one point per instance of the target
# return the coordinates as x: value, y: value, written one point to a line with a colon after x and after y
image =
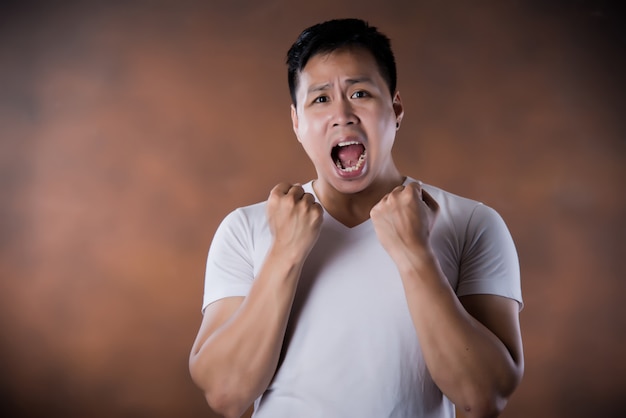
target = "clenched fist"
x: 295, y: 219
x: 403, y: 220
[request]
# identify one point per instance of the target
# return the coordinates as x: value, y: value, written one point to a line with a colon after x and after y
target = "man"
x: 363, y: 293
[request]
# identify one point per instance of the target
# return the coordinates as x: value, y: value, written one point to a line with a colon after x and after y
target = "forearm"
x: 469, y: 363
x: 236, y: 362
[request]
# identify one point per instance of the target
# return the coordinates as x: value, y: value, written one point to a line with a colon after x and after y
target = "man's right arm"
x: 236, y: 351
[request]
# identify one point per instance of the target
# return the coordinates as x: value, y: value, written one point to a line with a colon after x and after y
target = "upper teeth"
x: 346, y: 143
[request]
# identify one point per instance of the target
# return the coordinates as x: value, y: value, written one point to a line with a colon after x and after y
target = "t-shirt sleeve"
x: 229, y: 268
x: 489, y: 262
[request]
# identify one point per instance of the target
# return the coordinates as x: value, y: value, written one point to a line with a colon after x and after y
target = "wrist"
x: 288, y: 256
x: 417, y: 261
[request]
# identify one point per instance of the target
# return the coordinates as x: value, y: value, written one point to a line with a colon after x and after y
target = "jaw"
x: 347, y: 182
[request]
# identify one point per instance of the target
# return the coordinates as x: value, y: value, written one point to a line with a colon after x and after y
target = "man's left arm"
x: 471, y: 345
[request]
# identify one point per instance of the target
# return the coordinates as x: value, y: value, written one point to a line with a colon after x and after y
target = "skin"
x: 342, y: 96
x: 472, y: 345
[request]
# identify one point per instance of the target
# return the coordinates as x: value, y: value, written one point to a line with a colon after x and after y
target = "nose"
x: 343, y: 113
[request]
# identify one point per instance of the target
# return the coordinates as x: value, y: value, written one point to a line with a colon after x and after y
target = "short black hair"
x: 329, y: 36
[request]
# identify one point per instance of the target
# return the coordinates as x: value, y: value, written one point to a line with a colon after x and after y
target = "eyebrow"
x: 349, y: 81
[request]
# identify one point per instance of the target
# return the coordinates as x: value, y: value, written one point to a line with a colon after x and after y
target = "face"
x: 345, y: 120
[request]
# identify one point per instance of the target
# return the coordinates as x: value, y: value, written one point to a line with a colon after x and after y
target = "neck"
x: 352, y: 209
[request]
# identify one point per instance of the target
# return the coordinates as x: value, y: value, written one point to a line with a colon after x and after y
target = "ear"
x: 398, y: 109
x: 294, y: 121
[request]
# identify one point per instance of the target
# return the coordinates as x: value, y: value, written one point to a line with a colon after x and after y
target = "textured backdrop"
x: 129, y: 129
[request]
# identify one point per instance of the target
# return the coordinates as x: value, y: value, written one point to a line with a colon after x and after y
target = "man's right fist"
x: 295, y: 218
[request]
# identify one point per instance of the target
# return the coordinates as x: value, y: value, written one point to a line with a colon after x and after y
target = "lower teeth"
x: 356, y: 167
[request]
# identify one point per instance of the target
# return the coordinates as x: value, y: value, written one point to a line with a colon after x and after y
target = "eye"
x: 321, y: 99
x: 360, y: 94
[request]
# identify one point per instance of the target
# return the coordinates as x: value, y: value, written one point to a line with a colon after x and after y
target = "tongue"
x: 349, y: 155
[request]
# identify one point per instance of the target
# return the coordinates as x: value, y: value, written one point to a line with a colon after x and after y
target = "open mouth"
x: 349, y: 156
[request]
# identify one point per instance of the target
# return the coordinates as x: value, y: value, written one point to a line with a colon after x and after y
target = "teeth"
x: 358, y: 165
x: 346, y: 143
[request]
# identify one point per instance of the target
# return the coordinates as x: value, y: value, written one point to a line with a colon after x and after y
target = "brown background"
x: 130, y: 129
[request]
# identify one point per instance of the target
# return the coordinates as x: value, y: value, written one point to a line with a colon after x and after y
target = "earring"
x: 397, y: 125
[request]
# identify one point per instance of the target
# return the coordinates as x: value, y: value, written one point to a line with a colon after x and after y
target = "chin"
x: 351, y: 185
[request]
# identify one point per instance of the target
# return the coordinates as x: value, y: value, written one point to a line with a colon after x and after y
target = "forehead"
x: 342, y: 63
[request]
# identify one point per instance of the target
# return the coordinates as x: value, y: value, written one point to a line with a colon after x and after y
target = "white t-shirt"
x: 351, y: 349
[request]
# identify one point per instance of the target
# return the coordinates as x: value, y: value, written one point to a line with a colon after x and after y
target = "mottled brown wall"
x: 129, y: 129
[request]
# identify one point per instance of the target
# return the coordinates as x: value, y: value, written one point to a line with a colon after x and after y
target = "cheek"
x: 380, y: 125
x: 314, y: 123
x: 311, y: 130
x: 388, y: 122
x: 310, y: 139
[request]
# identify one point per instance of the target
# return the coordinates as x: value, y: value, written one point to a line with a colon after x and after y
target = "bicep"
x: 501, y: 316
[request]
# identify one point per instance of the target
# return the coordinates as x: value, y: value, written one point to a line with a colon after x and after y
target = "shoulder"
x: 252, y: 218
x: 451, y: 202
x: 469, y: 218
x: 242, y: 221
x: 250, y: 212
x: 457, y: 210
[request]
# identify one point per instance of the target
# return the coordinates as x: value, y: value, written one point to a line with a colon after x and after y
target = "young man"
x: 363, y: 293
